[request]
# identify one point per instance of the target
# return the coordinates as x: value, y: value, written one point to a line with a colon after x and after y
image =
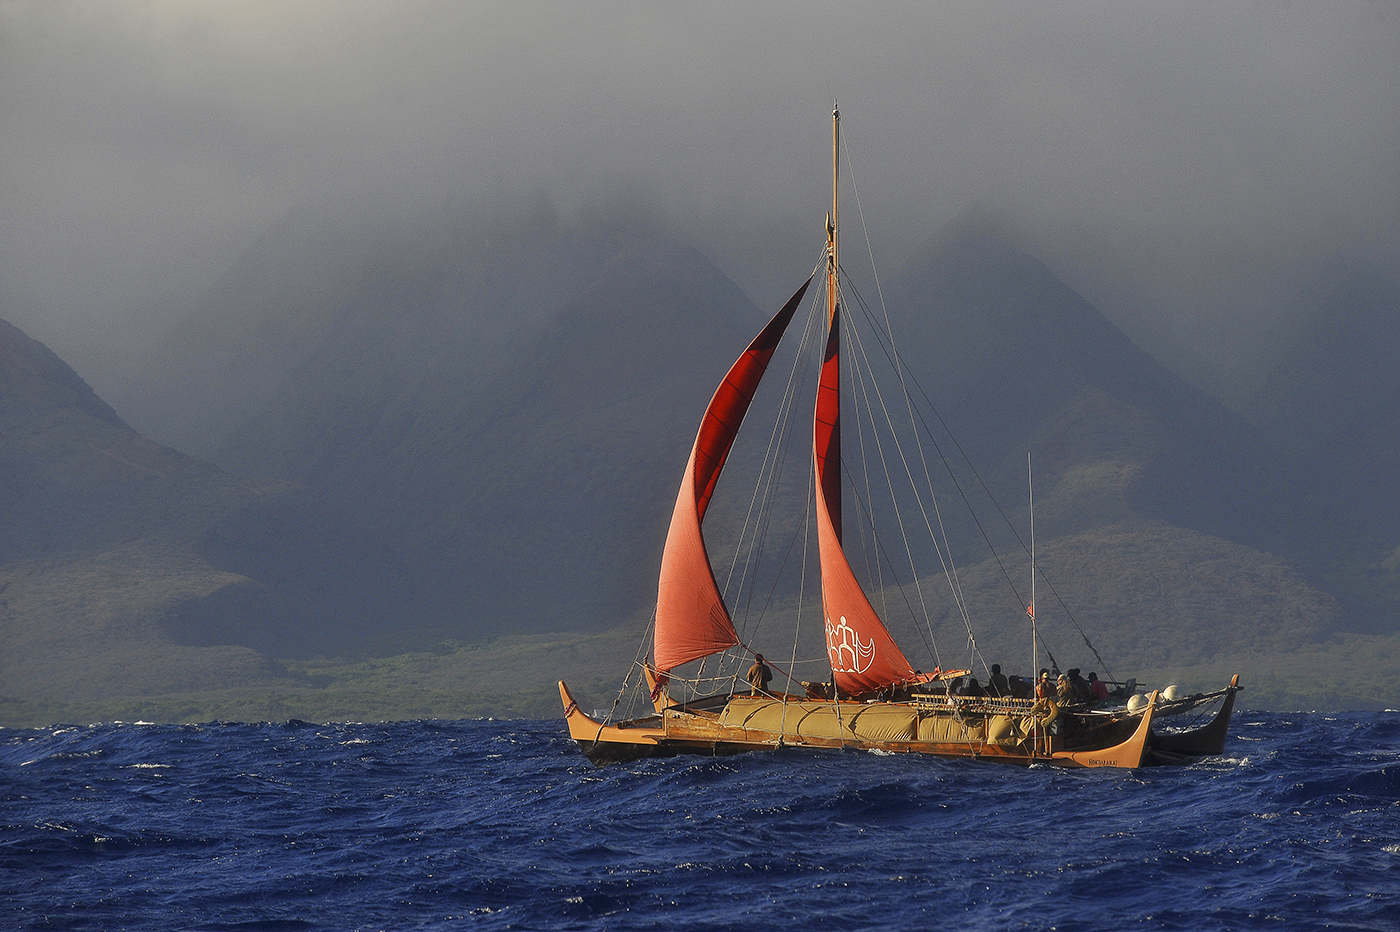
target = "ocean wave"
x: 427, y: 825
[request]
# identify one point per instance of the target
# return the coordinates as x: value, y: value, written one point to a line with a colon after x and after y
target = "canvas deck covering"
x: 820, y: 719
x: 865, y: 723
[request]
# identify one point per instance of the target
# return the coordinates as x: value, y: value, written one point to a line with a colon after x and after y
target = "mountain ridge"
x: 429, y: 487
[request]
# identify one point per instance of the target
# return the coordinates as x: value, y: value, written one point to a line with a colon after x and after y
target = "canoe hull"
x: 1206, y: 741
x: 743, y: 724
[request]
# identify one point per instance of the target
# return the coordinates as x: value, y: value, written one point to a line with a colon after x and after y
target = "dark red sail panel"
x: 731, y: 402
x: 863, y: 655
x: 691, y: 619
x: 826, y: 437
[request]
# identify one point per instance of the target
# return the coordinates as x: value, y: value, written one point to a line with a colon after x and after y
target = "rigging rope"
x: 950, y: 569
x: 944, y: 551
x: 896, y: 360
x: 1010, y: 525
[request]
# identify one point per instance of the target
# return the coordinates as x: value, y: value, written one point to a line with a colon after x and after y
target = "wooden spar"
x: 833, y: 353
x: 832, y: 255
x: 833, y: 449
x: 1030, y: 490
x: 864, y: 656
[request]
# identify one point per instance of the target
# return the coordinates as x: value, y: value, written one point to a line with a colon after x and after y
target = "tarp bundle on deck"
x: 820, y: 719
x: 874, y: 722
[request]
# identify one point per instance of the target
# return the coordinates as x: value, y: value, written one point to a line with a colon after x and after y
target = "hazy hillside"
x: 374, y: 293
x: 1331, y: 414
x: 524, y: 472
x: 1018, y: 362
x: 99, y: 539
x: 127, y: 567
x: 495, y: 399
x: 473, y: 428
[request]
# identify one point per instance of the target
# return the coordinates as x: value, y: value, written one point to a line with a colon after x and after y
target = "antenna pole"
x: 1030, y: 486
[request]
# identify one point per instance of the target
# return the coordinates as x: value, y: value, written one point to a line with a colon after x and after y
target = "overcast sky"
x: 1181, y: 163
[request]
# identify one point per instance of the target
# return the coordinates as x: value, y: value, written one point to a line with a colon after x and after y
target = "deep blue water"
x: 504, y: 825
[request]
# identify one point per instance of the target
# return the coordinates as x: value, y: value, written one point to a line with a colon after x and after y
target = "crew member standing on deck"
x: 759, y: 675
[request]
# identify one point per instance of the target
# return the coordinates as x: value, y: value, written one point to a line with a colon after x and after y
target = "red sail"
x: 691, y: 619
x: 862, y: 653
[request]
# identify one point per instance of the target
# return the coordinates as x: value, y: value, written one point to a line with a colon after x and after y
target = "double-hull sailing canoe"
x: 877, y: 699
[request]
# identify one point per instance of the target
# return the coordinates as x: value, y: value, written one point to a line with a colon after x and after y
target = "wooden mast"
x: 832, y: 257
x: 833, y: 332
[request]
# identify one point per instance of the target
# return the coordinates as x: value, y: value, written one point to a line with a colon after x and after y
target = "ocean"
x: 505, y: 825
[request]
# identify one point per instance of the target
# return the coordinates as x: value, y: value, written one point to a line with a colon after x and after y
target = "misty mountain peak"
x: 31, y: 374
x: 1341, y: 378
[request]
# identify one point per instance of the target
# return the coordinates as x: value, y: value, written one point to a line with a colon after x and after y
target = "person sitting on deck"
x: 759, y: 675
x: 1082, y: 691
x: 1064, y: 691
x: 1097, y: 690
x: 1044, y: 688
x: 1019, y: 688
x: 969, y: 687
x: 997, y: 684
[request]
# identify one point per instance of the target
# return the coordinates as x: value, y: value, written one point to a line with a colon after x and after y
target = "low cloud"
x: 1186, y: 165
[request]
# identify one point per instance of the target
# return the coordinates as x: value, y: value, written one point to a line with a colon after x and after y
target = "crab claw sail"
x: 863, y: 654
x: 691, y: 619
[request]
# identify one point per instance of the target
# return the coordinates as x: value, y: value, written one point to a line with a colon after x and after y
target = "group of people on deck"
x: 1067, y: 689
x: 1070, y: 688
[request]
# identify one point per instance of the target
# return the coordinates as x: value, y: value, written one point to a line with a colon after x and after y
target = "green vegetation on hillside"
x: 515, y: 678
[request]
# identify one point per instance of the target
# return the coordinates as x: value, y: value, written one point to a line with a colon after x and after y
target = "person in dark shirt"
x: 997, y: 684
x: 759, y: 675
x: 1082, y: 692
x: 968, y: 686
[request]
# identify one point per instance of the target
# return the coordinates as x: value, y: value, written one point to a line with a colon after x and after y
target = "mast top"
x: 833, y: 260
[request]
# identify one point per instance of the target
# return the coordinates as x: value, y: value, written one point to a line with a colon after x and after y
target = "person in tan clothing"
x: 759, y: 675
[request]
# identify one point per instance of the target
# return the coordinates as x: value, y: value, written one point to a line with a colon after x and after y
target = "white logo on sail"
x: 847, y: 653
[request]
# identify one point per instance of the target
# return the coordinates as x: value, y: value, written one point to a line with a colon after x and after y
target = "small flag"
x: 1030, y: 610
